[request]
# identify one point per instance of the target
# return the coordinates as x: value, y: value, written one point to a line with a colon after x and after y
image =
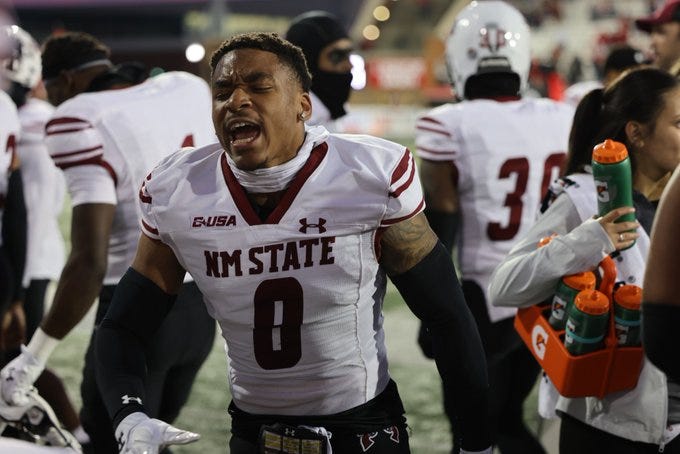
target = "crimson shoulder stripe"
x: 63, y: 125
x: 401, y: 168
x: 75, y: 152
x: 436, y: 131
x: 148, y: 228
x: 431, y: 151
x: 387, y: 222
x: 397, y: 192
x: 143, y: 193
x: 95, y: 160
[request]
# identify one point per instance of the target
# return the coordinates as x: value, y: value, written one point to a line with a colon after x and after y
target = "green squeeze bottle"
x: 613, y: 178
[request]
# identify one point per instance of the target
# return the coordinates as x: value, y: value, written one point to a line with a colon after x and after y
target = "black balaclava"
x: 312, y: 31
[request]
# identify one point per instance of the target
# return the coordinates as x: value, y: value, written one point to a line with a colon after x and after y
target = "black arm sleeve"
x: 14, y: 232
x: 444, y: 225
x: 137, y: 310
x: 432, y: 291
x: 661, y: 337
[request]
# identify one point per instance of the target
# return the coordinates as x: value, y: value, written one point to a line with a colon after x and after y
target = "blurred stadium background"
x: 399, y: 71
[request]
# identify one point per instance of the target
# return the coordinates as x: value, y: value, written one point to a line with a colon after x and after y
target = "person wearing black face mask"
x: 327, y: 48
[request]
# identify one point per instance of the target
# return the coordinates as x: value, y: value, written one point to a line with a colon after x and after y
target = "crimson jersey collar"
x: 241, y: 198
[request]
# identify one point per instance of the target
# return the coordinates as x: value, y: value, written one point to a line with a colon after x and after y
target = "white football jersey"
x: 107, y: 142
x: 506, y: 154
x: 44, y: 192
x: 9, y: 134
x: 299, y: 295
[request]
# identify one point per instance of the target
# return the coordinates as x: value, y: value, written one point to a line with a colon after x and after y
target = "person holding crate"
x: 639, y: 110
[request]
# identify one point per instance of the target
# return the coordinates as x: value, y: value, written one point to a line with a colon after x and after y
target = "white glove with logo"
x: 17, y: 377
x: 139, y: 434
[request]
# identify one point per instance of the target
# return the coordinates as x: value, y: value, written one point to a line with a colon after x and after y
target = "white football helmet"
x: 36, y: 422
x: 488, y: 36
x: 23, y: 65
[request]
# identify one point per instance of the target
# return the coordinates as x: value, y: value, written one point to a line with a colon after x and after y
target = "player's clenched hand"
x: 139, y: 434
x: 17, y: 377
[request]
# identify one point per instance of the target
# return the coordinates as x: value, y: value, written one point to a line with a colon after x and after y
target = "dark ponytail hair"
x: 637, y: 95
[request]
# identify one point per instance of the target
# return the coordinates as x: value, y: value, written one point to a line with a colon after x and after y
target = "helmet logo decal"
x: 492, y: 37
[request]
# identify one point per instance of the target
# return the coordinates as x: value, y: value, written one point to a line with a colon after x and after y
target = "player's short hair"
x: 71, y: 50
x: 287, y: 53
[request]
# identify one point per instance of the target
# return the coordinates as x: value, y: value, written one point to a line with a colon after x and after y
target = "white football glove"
x: 139, y: 434
x: 18, y: 376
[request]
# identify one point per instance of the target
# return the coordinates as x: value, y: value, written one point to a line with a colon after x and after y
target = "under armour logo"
x: 492, y: 37
x: 127, y: 399
x: 319, y: 225
x: 289, y: 432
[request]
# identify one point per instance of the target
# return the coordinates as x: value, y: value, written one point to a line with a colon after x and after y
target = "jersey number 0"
x: 278, y: 318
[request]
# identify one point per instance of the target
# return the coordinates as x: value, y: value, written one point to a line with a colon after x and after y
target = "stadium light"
x: 358, y: 71
x: 195, y: 52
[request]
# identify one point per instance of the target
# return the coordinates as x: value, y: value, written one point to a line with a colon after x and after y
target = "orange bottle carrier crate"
x: 611, y: 369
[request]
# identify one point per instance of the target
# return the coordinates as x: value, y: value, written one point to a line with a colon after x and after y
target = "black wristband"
x: 661, y: 336
x: 432, y: 291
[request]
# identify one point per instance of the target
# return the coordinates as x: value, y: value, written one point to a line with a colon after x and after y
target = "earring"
x: 302, y: 116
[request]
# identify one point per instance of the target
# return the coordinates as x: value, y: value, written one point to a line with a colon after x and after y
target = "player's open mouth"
x: 242, y: 132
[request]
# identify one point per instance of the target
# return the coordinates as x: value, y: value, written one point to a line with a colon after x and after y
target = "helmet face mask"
x: 488, y: 37
x: 23, y: 65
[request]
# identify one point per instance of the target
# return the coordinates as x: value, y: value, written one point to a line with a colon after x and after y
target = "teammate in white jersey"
x: 290, y: 233
x: 106, y: 141
x: 486, y: 162
x: 44, y: 191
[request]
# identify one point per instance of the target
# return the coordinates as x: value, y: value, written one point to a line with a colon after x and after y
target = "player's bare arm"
x: 405, y: 244
x: 81, y: 279
x: 157, y: 262
x: 437, y: 178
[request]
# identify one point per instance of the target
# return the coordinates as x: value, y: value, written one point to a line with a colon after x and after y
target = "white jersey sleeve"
x: 77, y: 148
x: 405, y: 194
x: 434, y: 141
x: 90, y: 184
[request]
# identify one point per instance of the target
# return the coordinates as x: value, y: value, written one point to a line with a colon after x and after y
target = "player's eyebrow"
x: 256, y: 76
